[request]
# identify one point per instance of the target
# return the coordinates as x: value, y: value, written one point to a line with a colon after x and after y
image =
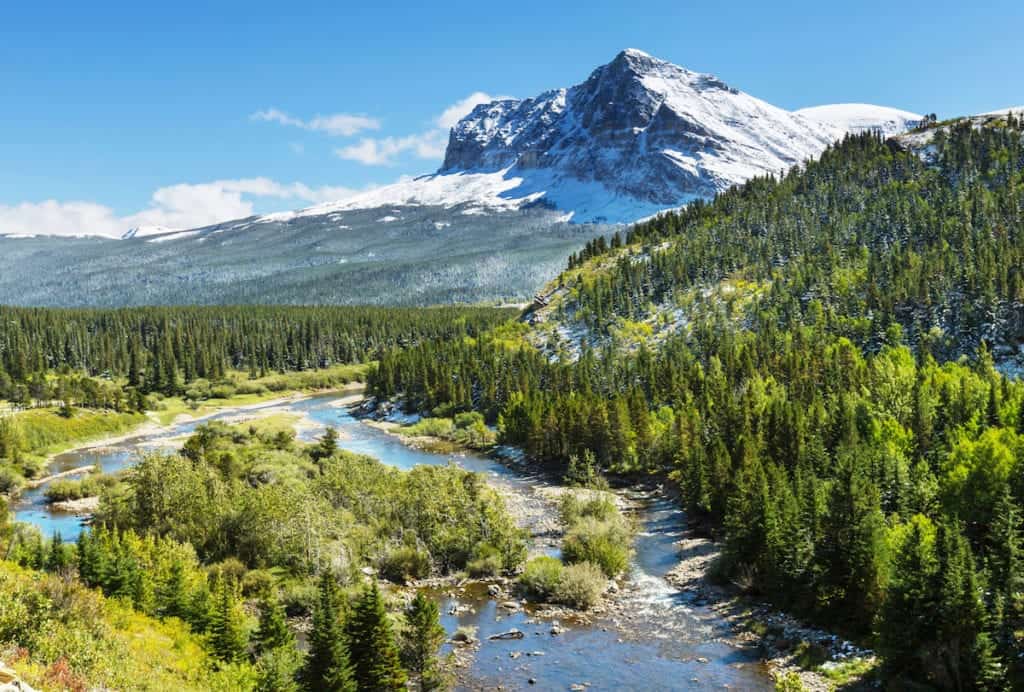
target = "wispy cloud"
x: 457, y: 111
x: 337, y: 125
x: 382, y: 151
x: 185, y: 205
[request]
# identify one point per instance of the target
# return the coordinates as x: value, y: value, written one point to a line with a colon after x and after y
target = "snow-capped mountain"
x: 524, y: 183
x: 638, y: 136
x: 862, y: 117
x: 641, y: 127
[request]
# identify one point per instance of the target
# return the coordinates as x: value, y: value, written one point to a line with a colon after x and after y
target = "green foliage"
x: 581, y: 585
x: 422, y: 637
x: 91, y: 642
x: 405, y: 563
x: 541, y: 576
x: 328, y: 665
x: 238, y: 495
x: 229, y: 637
x: 596, y: 533
x: 374, y: 650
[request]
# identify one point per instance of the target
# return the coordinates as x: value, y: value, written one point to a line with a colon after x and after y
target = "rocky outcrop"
x: 643, y: 128
x: 10, y: 682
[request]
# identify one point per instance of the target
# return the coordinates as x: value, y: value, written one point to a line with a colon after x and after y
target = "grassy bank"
x: 29, y: 438
x: 203, y: 397
x: 42, y: 432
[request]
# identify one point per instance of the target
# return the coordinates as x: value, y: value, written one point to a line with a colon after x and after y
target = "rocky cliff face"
x: 642, y: 128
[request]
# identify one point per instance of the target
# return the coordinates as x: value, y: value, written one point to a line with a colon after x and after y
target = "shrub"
x: 542, y: 576
x: 599, y: 506
x: 486, y: 562
x: 581, y: 586
x: 258, y: 582
x: 604, y: 543
x: 250, y: 388
x: 465, y: 420
x: 299, y: 597
x: 230, y: 568
x: 405, y: 563
x: 9, y: 480
x: 222, y: 391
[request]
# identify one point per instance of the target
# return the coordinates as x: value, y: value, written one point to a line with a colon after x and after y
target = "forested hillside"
x: 161, y: 349
x: 818, y: 362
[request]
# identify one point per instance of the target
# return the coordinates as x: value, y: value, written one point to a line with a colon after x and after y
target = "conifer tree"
x: 422, y: 638
x: 273, y: 629
x: 375, y: 658
x: 228, y: 636
x: 328, y: 664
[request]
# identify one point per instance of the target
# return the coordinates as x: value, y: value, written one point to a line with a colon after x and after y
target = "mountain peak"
x: 638, y: 127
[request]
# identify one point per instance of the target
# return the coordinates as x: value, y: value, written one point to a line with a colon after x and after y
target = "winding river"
x: 659, y: 639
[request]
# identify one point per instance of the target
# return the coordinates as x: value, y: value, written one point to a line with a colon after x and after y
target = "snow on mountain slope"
x: 862, y: 117
x: 143, y: 231
x: 643, y: 129
x: 638, y: 136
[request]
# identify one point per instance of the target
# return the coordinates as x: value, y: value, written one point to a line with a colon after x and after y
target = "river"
x: 659, y: 639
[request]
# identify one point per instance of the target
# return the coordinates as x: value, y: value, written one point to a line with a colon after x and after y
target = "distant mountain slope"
x: 414, y: 255
x: 862, y: 117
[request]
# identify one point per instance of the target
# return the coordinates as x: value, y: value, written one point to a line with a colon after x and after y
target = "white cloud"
x: 174, y: 207
x: 338, y: 124
x: 382, y: 152
x: 430, y: 144
x: 457, y: 111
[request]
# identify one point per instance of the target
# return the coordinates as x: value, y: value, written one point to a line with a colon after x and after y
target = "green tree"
x: 375, y: 657
x: 228, y: 636
x: 422, y: 637
x: 328, y: 664
x: 273, y: 629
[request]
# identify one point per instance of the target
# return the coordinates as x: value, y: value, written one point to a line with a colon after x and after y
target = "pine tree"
x: 172, y: 598
x: 228, y: 636
x: 57, y: 558
x: 375, y: 657
x: 422, y: 638
x: 273, y: 630
x: 327, y: 666
x: 325, y: 448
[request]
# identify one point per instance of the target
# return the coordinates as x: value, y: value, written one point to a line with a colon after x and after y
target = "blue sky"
x: 179, y: 114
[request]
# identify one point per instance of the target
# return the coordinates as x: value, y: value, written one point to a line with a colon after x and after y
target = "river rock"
x: 510, y: 605
x: 511, y: 634
x: 493, y: 590
x: 556, y: 629
x: 10, y: 682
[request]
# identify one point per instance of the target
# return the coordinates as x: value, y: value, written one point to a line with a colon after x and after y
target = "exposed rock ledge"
x: 10, y: 682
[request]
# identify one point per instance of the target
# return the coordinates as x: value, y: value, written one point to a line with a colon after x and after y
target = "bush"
x: 250, y: 388
x: 604, y: 543
x: 465, y: 420
x: 222, y: 391
x: 581, y: 586
x: 542, y: 576
x: 299, y: 597
x: 230, y: 568
x: 9, y: 480
x: 599, y: 506
x: 258, y: 582
x: 486, y: 562
x: 405, y: 563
